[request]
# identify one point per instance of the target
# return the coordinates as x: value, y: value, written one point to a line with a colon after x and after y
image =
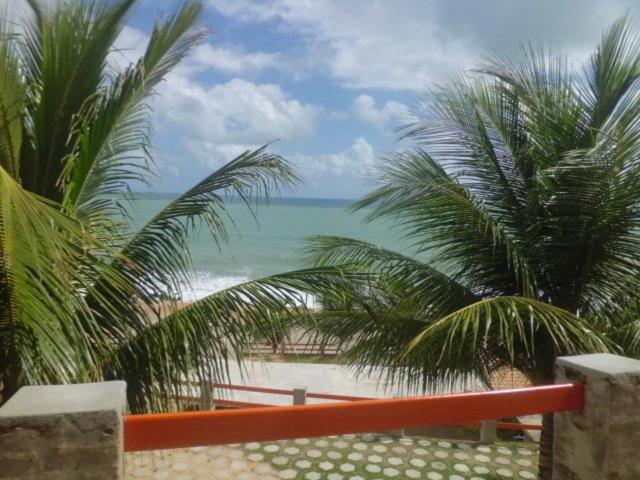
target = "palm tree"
x: 78, y: 290
x: 522, y: 201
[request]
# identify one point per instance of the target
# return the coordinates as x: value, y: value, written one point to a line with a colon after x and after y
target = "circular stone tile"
x: 215, y: 452
x: 333, y: 455
x: 399, y: 450
x: 271, y: 448
x: 252, y: 446
x: 314, y: 453
x: 356, y: 477
x: 420, y: 451
x: 502, y: 460
x: 379, y: 448
x: 483, y: 449
x: 302, y: 441
x: 526, y: 474
x: 477, y: 478
x: 444, y: 444
x: 313, y: 476
x: 321, y: 443
x: 439, y: 465
x: 524, y: 462
x: 326, y: 466
x: 238, y: 465
x: 441, y: 454
x: 347, y: 467
x: 225, y: 473
x: 180, y: 467
x: 373, y: 468
x: 334, y: 476
x: 456, y: 477
x: 355, y: 456
x: 303, y: 464
x: 235, y: 454
x: 461, y: 467
x: 391, y: 472
x: 255, y: 457
x: 481, y: 470
x: 162, y: 475
x: 394, y: 461
x: 503, y: 472
x: 385, y: 439
x: 246, y: 476
x: 263, y: 468
x: 461, y: 456
x: 340, y: 444
x: 359, y: 446
x: 434, y: 476
x: 141, y: 472
x: 504, y: 451
x: 292, y: 451
x: 417, y: 462
x: 482, y: 458
x: 525, y: 451
x: 464, y: 446
x: 280, y: 460
x: 405, y: 441
x: 424, y: 443
x: 411, y: 473
x: 374, y: 458
x: 367, y: 437
x: 288, y: 474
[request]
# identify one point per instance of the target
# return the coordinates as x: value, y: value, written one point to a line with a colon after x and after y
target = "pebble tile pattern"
x: 349, y: 457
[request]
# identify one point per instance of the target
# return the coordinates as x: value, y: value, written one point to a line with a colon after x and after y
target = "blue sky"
x: 332, y: 79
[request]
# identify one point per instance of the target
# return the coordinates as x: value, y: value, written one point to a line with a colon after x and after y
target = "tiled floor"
x: 349, y: 457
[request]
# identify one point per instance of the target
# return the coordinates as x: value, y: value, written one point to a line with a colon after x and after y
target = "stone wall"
x: 63, y: 432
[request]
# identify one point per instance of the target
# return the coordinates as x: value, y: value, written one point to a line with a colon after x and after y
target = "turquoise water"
x: 273, y: 243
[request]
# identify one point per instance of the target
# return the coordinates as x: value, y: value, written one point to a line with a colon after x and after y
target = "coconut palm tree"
x: 79, y: 290
x: 522, y: 200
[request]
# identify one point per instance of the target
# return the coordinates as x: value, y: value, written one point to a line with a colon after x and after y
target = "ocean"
x: 271, y: 244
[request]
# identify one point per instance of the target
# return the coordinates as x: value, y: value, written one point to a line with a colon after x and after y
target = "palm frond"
x: 63, y: 57
x: 201, y: 339
x: 47, y: 260
x: 443, y: 216
x: 113, y: 138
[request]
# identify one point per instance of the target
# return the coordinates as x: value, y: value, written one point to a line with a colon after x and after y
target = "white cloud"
x: 384, y: 117
x: 238, y: 111
x: 354, y: 161
x: 341, y: 174
x: 409, y: 44
x: 231, y: 59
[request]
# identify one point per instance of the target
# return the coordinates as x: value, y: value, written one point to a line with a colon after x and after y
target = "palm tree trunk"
x: 545, y: 463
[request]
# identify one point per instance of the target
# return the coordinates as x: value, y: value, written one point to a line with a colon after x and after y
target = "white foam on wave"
x: 205, y: 283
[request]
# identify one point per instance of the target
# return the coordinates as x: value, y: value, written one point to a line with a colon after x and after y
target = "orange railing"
x: 188, y: 429
x: 321, y: 396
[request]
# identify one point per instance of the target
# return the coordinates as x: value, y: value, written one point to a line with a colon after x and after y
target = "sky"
x: 330, y: 81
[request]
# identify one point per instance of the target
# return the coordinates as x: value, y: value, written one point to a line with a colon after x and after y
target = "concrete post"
x: 489, y: 432
x: 602, y: 442
x: 63, y: 432
x: 206, y: 399
x: 300, y: 395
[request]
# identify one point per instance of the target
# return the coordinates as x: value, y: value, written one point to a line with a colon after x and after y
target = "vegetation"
x: 78, y: 290
x: 522, y: 199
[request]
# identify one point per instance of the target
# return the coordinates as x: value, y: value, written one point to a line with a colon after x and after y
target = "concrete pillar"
x: 489, y: 432
x: 63, y: 432
x: 300, y: 395
x: 206, y: 399
x: 602, y: 442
